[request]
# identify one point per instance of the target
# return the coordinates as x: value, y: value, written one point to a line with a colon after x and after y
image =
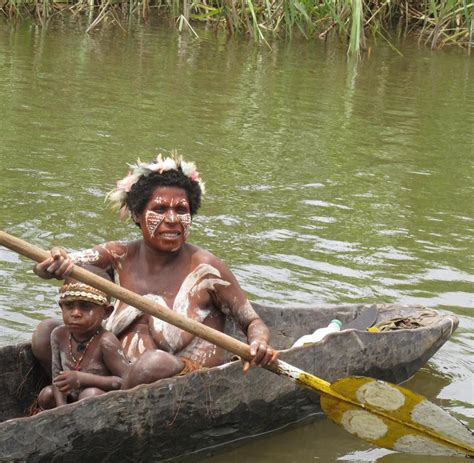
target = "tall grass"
x: 435, y: 23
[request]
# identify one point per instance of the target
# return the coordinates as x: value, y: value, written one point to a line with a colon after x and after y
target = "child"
x: 87, y: 360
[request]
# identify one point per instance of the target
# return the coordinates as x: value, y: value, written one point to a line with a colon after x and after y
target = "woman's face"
x: 166, y: 219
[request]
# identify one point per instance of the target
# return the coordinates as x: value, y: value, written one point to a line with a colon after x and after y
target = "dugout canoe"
x: 182, y: 415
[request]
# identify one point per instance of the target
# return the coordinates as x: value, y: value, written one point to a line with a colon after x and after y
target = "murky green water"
x: 328, y: 181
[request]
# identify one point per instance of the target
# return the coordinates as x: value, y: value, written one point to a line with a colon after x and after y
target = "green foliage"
x: 436, y: 22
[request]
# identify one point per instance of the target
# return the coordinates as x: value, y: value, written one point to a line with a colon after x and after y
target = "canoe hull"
x: 210, y: 407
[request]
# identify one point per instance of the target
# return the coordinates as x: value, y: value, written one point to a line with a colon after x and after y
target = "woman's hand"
x: 262, y: 354
x: 68, y: 381
x: 58, y: 266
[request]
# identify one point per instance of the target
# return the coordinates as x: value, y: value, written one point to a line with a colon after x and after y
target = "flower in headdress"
x: 127, y: 182
x: 188, y: 168
x: 168, y: 164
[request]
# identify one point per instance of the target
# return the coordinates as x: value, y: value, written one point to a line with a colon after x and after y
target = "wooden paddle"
x: 380, y: 413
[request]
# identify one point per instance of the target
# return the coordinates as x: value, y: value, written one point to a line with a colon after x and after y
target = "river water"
x: 328, y: 180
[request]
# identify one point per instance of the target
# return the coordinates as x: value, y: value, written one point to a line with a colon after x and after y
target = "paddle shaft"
x: 157, y: 310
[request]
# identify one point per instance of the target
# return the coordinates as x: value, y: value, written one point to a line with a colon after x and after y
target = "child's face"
x: 82, y: 317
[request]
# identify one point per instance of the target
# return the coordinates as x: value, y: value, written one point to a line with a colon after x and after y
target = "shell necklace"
x: 82, y: 346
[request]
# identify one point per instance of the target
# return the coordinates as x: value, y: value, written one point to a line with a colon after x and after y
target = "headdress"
x: 118, y: 196
x: 82, y: 292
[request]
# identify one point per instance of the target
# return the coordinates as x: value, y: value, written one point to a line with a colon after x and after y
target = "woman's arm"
x: 231, y: 299
x: 60, y: 263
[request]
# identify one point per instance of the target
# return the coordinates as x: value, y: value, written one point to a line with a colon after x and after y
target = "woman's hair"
x: 142, y: 190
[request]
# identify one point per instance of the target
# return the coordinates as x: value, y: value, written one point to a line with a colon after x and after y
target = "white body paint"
x: 204, y: 276
x: 88, y: 256
x: 141, y: 346
x: 193, y: 283
x: 119, y: 321
x: 132, y: 347
x: 117, y: 256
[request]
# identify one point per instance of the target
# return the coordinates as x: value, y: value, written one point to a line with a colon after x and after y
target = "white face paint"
x: 153, y: 220
x: 183, y: 217
x: 185, y: 220
x: 175, y: 209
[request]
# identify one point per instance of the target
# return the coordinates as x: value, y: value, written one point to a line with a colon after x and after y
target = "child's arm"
x: 114, y: 361
x: 56, y: 365
x: 70, y: 380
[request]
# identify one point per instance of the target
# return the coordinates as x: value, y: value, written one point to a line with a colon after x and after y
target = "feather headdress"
x: 118, y: 196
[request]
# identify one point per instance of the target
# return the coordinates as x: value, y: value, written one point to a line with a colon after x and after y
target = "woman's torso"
x: 184, y: 282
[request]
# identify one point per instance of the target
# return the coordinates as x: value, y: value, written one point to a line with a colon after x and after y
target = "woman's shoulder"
x: 118, y: 246
x: 201, y: 256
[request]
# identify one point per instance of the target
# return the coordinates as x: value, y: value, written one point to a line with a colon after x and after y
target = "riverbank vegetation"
x: 436, y: 23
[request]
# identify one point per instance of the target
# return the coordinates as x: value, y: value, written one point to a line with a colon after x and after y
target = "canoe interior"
x: 21, y: 379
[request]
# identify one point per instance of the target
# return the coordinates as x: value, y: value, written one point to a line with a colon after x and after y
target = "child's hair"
x: 141, y: 191
x: 73, y: 290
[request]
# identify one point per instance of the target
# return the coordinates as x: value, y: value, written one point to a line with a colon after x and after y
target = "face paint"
x: 185, y: 220
x: 175, y: 210
x: 153, y: 221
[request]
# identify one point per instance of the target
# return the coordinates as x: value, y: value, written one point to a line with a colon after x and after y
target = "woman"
x: 161, y: 198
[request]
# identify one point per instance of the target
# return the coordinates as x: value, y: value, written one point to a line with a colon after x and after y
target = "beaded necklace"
x: 81, y: 347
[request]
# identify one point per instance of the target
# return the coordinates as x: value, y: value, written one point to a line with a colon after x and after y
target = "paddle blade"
x: 393, y: 417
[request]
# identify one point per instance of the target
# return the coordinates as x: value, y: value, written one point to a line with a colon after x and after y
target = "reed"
x: 436, y: 23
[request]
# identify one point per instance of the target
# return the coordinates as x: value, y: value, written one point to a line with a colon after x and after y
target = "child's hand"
x: 67, y: 381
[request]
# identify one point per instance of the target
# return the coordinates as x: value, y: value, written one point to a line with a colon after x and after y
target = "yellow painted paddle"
x: 381, y: 413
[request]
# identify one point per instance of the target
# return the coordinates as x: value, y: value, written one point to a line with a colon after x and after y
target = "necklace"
x: 82, y: 346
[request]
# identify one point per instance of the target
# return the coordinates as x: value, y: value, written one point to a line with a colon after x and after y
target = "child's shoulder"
x: 59, y: 332
x: 108, y: 339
